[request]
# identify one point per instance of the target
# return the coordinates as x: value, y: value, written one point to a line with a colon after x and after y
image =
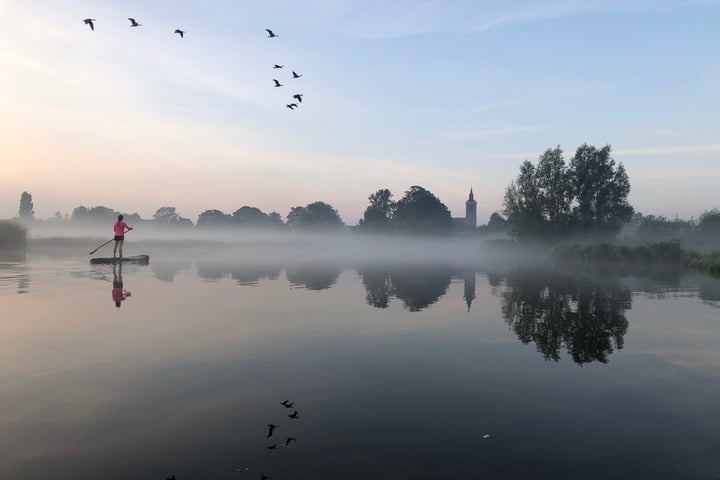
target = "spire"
x: 471, y: 197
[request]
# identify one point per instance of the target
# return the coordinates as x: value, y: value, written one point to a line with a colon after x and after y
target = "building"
x: 469, y: 222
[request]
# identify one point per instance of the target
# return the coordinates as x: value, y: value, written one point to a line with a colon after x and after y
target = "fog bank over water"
x: 278, y: 245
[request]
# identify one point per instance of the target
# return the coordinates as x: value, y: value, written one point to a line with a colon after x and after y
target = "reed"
x: 13, y: 236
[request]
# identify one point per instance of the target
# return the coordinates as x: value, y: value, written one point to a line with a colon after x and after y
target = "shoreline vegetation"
x: 660, y: 253
x: 13, y: 237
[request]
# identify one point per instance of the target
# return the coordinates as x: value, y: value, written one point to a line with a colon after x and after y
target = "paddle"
x: 105, y: 244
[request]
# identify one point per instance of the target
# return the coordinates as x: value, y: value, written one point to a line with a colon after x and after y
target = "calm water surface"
x: 415, y: 371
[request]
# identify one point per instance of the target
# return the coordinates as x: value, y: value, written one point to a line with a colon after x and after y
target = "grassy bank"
x: 13, y: 236
x: 663, y: 252
x: 707, y: 263
x: 666, y: 253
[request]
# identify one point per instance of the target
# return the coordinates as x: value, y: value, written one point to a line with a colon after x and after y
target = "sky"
x: 446, y: 94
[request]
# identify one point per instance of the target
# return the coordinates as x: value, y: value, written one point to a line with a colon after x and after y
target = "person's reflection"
x: 119, y: 294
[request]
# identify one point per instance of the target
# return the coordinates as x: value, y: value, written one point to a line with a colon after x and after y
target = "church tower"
x: 471, y: 211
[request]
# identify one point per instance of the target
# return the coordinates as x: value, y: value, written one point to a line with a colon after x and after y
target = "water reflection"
x: 313, y: 277
x: 417, y: 287
x: 14, y: 274
x: 119, y: 293
x: 249, y: 274
x: 554, y: 310
x: 166, y: 270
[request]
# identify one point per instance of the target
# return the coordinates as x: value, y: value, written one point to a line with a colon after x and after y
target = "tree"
x: 275, y: 219
x: 496, y: 224
x: 213, y: 219
x: 166, y: 215
x: 250, y: 217
x: 708, y: 225
x: 553, y: 183
x: 523, y: 205
x: 315, y: 216
x: 296, y: 216
x: 419, y: 211
x: 556, y: 310
x: 552, y: 199
x: 26, y: 212
x: 378, y: 215
x: 79, y: 213
x: 600, y: 190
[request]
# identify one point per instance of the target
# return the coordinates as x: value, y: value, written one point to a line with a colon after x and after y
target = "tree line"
x: 418, y: 211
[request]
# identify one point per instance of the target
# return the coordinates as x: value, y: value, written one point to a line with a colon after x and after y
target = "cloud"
x: 666, y: 132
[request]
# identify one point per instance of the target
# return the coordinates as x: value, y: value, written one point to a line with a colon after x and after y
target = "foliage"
x: 661, y: 252
x: 213, y: 219
x: 556, y: 311
x: 254, y: 217
x: 379, y: 214
x: 26, y: 210
x: 496, y: 225
x: 97, y: 214
x: 554, y: 199
x: 315, y: 216
x: 13, y: 236
x: 708, y: 263
x: 419, y: 211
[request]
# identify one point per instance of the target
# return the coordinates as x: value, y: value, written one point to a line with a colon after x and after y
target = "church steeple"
x: 471, y: 210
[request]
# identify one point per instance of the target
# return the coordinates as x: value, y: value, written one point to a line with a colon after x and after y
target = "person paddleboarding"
x: 120, y: 228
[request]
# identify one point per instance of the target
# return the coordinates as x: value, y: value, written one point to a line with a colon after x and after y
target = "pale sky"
x: 446, y: 94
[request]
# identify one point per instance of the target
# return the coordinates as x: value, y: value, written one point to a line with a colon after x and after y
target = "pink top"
x: 120, y: 227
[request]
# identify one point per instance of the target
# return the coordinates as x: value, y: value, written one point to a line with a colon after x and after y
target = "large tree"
x: 167, y: 215
x: 315, y: 216
x: 600, y: 189
x: 26, y: 210
x: 555, y: 194
x: 213, y: 219
x: 250, y: 217
x: 419, y: 211
x: 523, y: 206
x: 378, y: 215
x: 552, y: 199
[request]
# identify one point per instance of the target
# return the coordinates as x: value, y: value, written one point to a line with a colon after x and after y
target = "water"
x: 573, y: 373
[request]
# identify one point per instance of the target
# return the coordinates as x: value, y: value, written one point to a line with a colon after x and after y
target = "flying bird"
x: 295, y: 75
x: 287, y: 404
x: 134, y: 23
x: 270, y: 33
x: 277, y: 84
x: 291, y: 106
x: 274, y: 67
x: 89, y: 21
x: 294, y: 415
x: 290, y: 439
x: 271, y: 427
x: 180, y: 32
x: 298, y: 97
x: 272, y: 447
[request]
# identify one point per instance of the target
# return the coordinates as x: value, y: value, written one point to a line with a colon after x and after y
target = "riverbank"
x: 661, y: 253
x: 13, y: 238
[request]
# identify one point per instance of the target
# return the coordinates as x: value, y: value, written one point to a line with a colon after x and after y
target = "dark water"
x: 397, y: 371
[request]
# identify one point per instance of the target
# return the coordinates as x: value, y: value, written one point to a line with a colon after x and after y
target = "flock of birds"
x: 270, y: 432
x: 295, y: 76
x: 291, y: 106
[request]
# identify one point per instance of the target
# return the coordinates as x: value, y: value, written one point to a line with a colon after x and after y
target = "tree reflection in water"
x: 313, y: 277
x: 584, y: 315
x: 417, y: 287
